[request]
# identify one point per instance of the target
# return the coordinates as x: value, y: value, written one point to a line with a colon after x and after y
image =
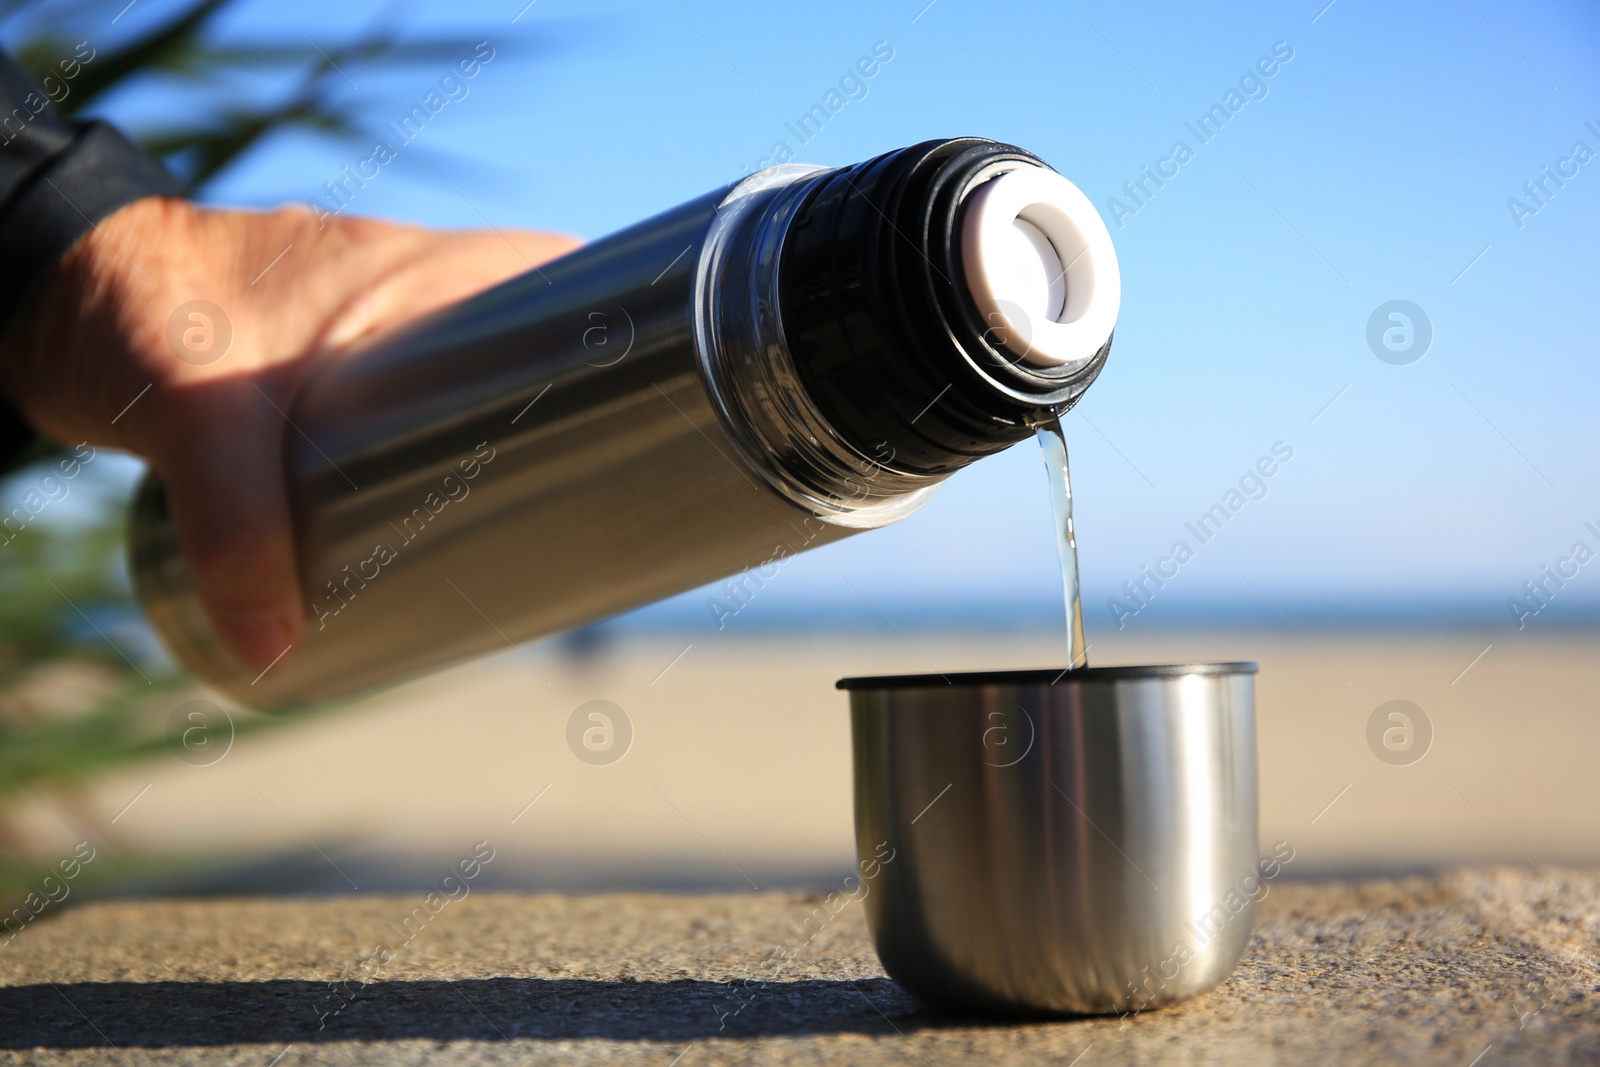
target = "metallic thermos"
x: 773, y: 366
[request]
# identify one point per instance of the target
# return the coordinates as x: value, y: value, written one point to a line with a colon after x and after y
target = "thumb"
x: 230, y: 509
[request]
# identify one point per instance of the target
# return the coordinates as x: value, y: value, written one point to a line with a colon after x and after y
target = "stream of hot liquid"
x: 1054, y: 444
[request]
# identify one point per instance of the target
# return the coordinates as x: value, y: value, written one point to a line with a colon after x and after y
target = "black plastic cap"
x: 882, y: 327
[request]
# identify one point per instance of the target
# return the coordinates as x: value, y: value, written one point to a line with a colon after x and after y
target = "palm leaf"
x: 201, y: 153
x: 226, y: 126
x: 171, y: 45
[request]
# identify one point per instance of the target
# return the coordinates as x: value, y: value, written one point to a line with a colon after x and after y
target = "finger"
x: 222, y: 459
x: 453, y: 267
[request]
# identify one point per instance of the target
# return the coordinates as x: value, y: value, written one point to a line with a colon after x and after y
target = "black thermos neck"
x: 881, y: 325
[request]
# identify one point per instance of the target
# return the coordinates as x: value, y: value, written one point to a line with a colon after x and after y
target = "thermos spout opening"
x: 1040, y: 266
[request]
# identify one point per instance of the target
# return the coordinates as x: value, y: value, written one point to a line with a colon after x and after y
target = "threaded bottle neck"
x: 880, y: 321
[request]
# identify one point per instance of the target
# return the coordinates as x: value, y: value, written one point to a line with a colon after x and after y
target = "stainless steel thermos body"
x: 764, y: 369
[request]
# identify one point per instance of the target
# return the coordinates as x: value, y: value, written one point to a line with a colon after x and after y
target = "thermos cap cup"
x: 1058, y: 841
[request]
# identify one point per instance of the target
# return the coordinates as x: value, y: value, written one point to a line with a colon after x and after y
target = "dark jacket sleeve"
x: 57, y: 181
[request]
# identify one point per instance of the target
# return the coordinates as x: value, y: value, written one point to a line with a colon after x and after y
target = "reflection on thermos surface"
x: 770, y: 367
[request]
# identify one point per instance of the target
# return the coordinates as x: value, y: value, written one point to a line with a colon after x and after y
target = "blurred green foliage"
x: 80, y: 693
x: 235, y: 95
x: 72, y: 700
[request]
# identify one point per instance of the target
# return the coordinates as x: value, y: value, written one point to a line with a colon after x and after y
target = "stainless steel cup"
x: 1045, y: 841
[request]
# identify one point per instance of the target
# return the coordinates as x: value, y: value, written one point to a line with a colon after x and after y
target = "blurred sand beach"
x: 738, y: 770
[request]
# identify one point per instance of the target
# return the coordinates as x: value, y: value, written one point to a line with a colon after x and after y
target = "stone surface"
x: 1474, y: 969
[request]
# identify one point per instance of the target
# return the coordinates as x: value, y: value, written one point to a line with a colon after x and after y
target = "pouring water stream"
x: 1054, y: 444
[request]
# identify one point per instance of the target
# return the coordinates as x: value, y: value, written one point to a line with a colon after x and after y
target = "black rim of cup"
x: 1052, y: 676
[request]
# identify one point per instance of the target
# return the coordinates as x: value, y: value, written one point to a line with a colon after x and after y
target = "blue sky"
x: 1377, y: 166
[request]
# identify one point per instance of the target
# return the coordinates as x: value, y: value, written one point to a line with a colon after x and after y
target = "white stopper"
x: 1040, y: 265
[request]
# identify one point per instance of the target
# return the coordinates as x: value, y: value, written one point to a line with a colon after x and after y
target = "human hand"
x: 92, y: 358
